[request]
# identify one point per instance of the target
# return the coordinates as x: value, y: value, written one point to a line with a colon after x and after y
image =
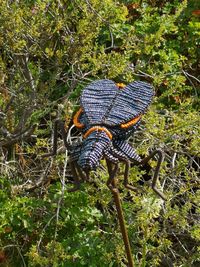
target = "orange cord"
x: 131, y: 122
x: 134, y: 120
x: 98, y: 129
x: 76, y: 118
x: 78, y: 113
x: 120, y: 85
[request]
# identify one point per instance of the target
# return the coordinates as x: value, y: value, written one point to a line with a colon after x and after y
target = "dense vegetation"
x: 49, y: 51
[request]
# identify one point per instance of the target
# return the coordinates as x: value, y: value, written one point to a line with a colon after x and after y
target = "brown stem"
x: 112, y: 184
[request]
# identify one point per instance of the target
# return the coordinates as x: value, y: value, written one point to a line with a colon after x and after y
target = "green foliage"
x: 49, y: 51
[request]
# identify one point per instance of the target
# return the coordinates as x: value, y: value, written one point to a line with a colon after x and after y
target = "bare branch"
x: 29, y: 186
x: 24, y: 134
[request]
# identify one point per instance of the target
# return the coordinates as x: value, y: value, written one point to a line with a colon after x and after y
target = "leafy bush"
x: 49, y: 51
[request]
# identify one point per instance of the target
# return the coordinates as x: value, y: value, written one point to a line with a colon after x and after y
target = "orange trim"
x: 131, y: 122
x: 98, y: 129
x: 76, y: 118
x: 120, y: 85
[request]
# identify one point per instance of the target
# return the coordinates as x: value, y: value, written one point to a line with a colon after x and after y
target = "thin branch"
x: 187, y: 74
x: 62, y: 194
x: 173, y: 160
x: 112, y: 40
x: 25, y: 134
x: 43, y: 231
x: 28, y: 75
x: 19, y: 251
x: 27, y: 187
x: 180, y: 243
x: 14, y: 95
